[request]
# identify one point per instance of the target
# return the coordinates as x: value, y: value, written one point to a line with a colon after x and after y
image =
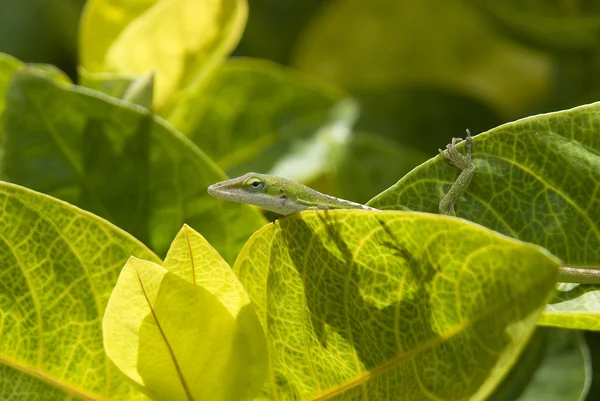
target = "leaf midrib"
x: 69, y: 388
x: 407, y: 356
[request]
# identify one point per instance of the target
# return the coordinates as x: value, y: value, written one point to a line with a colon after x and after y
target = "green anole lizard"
x: 285, y: 197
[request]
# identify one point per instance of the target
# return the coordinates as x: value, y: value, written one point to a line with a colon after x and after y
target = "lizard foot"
x: 454, y: 156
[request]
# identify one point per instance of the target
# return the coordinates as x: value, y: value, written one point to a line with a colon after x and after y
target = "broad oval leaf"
x: 254, y: 115
x: 537, y: 180
x: 182, y: 40
x: 187, y: 333
x: 119, y: 161
x: 58, y: 265
x: 381, y: 305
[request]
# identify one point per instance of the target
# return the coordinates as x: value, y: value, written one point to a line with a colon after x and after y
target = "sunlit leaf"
x: 117, y: 161
x: 387, y: 305
x: 58, y: 265
x: 188, y: 332
x: 537, y: 180
x: 181, y: 40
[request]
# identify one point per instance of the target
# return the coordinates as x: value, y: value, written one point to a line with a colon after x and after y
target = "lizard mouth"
x: 213, y: 190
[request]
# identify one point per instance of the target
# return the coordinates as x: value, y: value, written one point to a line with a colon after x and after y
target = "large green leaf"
x: 387, y: 305
x: 377, y: 44
x: 118, y: 161
x: 58, y: 265
x: 537, y: 180
x: 182, y: 40
x: 187, y: 333
x: 254, y: 115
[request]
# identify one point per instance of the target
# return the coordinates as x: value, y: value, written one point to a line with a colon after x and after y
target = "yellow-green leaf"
x: 181, y: 40
x: 388, y: 305
x: 58, y: 266
x: 537, y: 180
x: 188, y: 333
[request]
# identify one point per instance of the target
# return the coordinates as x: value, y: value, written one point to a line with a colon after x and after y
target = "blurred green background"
x: 420, y: 71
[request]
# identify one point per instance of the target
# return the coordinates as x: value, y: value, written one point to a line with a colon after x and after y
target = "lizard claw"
x: 456, y: 158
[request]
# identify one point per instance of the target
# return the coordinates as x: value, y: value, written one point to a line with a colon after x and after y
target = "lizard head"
x: 253, y: 188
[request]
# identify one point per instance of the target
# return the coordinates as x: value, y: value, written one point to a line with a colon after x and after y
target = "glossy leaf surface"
x: 537, y: 180
x: 372, y: 305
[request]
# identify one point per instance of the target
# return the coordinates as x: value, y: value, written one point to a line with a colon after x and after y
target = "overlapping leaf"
x: 135, y: 89
x: 382, y: 305
x: 9, y: 65
x: 58, y: 266
x: 254, y: 115
x: 189, y: 332
x: 181, y: 40
x: 537, y: 180
x: 118, y: 161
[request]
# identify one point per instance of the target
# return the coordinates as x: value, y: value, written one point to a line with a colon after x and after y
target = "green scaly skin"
x: 285, y: 197
x: 278, y: 194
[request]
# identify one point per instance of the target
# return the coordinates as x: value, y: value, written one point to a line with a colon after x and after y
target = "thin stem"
x: 581, y: 275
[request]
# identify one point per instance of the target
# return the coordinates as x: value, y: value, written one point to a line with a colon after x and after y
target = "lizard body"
x: 278, y: 195
x: 285, y: 197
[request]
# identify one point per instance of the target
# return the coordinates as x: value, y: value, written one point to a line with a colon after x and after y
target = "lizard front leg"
x: 461, y: 184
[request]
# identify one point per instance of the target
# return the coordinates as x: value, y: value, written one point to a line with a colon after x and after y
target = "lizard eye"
x: 255, y: 184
